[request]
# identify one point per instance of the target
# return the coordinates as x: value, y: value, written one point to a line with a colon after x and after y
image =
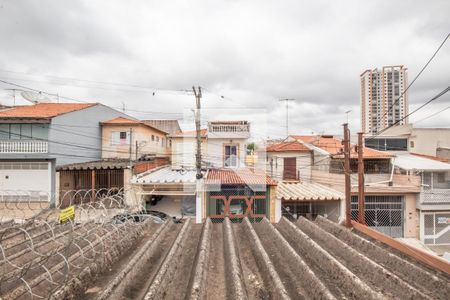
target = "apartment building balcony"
x: 23, y: 146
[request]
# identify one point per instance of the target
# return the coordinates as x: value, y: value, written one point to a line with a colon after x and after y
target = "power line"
x: 433, y: 114
x: 80, y: 101
x: 153, y: 89
x: 442, y: 93
x: 414, y: 80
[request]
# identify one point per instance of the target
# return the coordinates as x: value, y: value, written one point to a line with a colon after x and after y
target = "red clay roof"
x: 190, y: 133
x: 125, y: 121
x: 287, y: 146
x: 42, y: 110
x: 334, y: 146
x: 305, y: 138
x: 244, y: 176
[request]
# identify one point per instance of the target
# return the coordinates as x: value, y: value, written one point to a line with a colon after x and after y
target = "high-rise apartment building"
x: 383, y: 98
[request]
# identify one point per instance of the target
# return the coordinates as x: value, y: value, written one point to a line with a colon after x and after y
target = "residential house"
x: 426, y: 141
x: 433, y: 203
x: 390, y: 203
x: 184, y: 145
x: 127, y: 138
x: 168, y: 126
x: 289, y: 160
x: 36, y: 139
x: 229, y: 188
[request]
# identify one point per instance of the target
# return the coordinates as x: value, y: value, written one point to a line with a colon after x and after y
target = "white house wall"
x: 303, y: 164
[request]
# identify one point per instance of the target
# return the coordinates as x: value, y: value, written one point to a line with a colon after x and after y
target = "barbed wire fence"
x: 41, y: 257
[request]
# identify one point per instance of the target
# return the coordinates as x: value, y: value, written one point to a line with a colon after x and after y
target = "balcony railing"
x: 23, y: 146
x: 229, y: 128
x: 435, y: 196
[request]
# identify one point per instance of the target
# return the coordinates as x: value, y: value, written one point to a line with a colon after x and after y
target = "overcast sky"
x: 250, y: 52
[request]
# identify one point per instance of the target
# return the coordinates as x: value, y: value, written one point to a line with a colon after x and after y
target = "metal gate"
x: 435, y: 229
x: 237, y: 203
x: 383, y: 213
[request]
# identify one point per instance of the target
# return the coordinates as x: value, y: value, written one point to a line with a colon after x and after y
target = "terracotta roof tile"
x: 126, y: 121
x: 42, y: 110
x: 287, y: 146
x: 240, y: 176
x: 334, y: 146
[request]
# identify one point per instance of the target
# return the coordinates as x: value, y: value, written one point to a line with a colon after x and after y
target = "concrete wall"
x: 76, y: 137
x: 183, y: 151
x: 411, y: 226
x: 216, y: 152
x: 427, y: 140
x: 141, y: 134
x: 303, y: 164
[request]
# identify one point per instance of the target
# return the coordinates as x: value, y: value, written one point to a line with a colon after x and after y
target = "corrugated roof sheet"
x: 166, y: 175
x: 441, y: 159
x: 43, y: 110
x: 241, y: 176
x: 96, y: 165
x: 306, y: 191
x: 408, y: 161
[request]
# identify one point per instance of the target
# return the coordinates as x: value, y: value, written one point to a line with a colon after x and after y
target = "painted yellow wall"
x: 142, y: 134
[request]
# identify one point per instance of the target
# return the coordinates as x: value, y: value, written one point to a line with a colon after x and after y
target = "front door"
x: 290, y: 168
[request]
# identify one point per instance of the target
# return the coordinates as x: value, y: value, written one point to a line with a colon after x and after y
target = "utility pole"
x: 348, y: 195
x: 361, y: 193
x: 198, y: 156
x: 286, y: 100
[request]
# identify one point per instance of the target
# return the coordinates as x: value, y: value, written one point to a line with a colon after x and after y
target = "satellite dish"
x: 35, y: 97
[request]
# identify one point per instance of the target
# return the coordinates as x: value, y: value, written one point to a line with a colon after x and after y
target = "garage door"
x: 20, y: 180
x: 383, y: 213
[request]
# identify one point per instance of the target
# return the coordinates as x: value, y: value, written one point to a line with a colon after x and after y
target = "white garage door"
x: 22, y: 180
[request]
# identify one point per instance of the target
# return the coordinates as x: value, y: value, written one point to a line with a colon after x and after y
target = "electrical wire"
x: 443, y: 92
x: 415, y: 78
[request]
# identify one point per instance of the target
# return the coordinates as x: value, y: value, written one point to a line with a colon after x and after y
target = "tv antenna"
x: 287, y: 113
x: 35, y: 97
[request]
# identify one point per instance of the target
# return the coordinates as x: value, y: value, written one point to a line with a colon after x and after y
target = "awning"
x: 166, y: 175
x: 306, y: 191
x: 407, y: 161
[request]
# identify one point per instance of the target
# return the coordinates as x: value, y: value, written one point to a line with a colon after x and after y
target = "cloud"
x: 252, y: 52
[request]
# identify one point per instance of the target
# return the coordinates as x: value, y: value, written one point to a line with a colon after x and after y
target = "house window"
x: 157, y: 139
x: 411, y: 144
x: 163, y: 142
x: 230, y: 159
x: 153, y: 138
x: 120, y: 138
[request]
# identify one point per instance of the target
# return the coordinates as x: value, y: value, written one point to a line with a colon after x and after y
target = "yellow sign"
x: 67, y: 214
